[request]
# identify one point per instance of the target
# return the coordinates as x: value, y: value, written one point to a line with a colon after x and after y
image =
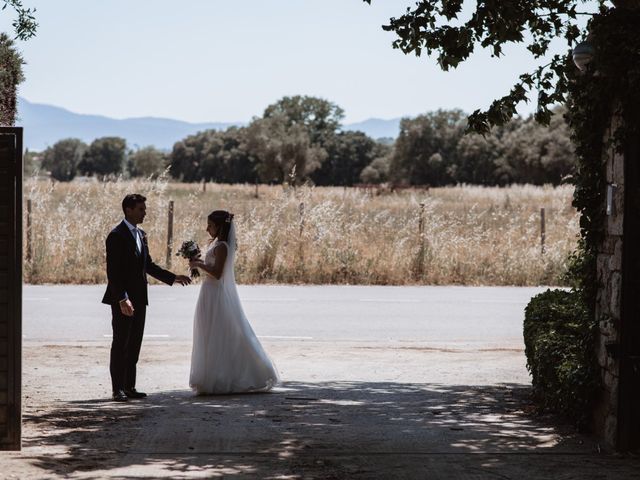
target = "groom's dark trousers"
x: 127, y: 269
x: 125, y: 347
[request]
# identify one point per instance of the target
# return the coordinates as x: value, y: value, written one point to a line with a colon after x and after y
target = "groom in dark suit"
x: 128, y: 263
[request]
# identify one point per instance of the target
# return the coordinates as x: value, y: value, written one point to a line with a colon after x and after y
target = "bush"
x: 10, y: 77
x: 559, y: 335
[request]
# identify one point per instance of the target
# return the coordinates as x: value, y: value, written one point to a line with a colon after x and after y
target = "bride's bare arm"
x: 215, y: 270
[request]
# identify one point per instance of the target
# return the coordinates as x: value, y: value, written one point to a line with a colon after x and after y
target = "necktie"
x: 136, y: 233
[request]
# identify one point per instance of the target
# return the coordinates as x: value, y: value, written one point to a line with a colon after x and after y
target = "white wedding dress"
x: 227, y: 356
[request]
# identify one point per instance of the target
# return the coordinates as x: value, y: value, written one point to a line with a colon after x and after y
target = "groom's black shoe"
x: 119, y: 396
x: 133, y: 393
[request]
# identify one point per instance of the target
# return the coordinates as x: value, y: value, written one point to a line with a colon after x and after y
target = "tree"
x: 288, y: 138
x: 25, y: 25
x: 532, y: 153
x: 377, y: 171
x: 478, y: 158
x: 291, y: 137
x: 231, y: 151
x: 434, y: 26
x: 320, y: 118
x: 348, y: 153
x: 186, y: 157
x: 432, y: 149
x: 147, y: 162
x: 220, y: 156
x: 10, y: 76
x: 62, y: 159
x: 226, y: 159
x: 105, y: 156
x: 425, y: 152
x: 283, y: 150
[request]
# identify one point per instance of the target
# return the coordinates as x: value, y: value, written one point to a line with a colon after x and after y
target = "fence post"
x: 29, y: 237
x: 543, y: 232
x: 256, y: 194
x: 301, y: 212
x: 418, y: 268
x: 204, y: 186
x: 169, y: 234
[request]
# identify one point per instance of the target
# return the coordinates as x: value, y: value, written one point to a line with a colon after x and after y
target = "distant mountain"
x: 45, y: 124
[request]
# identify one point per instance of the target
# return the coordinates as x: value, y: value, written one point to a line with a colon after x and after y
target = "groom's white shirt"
x: 135, y: 232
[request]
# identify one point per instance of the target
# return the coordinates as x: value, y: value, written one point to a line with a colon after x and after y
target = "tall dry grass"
x: 471, y: 235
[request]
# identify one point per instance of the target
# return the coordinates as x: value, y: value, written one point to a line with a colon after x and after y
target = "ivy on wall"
x: 609, y: 89
x: 560, y: 327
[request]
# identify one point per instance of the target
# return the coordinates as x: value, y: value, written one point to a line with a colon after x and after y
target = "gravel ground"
x: 344, y: 410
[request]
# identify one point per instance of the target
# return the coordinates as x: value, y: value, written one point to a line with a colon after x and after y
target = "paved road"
x: 446, y: 315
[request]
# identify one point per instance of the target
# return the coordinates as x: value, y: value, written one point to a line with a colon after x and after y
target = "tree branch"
x: 25, y: 25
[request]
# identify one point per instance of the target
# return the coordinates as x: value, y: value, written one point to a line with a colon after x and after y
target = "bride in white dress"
x: 227, y: 356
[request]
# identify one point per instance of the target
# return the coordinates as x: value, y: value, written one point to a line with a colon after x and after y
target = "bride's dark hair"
x: 221, y: 219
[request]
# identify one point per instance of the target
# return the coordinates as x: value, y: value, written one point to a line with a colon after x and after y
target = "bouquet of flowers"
x: 190, y: 251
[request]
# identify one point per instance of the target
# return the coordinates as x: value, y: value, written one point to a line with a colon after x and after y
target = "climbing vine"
x: 560, y: 327
x: 603, y: 110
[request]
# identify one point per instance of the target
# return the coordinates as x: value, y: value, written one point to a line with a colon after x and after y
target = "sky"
x: 226, y: 60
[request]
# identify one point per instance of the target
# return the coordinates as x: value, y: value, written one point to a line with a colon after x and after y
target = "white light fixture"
x: 582, y: 55
x: 611, y: 190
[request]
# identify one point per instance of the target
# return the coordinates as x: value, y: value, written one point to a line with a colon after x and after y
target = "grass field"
x: 470, y: 235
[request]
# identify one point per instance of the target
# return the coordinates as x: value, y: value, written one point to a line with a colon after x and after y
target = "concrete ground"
x: 347, y: 409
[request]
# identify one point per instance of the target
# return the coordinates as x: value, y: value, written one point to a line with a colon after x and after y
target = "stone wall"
x: 609, y: 264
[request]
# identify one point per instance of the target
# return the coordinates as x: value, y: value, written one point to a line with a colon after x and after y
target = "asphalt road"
x: 435, y: 315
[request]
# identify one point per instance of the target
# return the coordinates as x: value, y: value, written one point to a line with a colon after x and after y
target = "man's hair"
x: 131, y: 200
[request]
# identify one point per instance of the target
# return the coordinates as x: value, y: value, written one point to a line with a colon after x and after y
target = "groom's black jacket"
x: 127, y: 269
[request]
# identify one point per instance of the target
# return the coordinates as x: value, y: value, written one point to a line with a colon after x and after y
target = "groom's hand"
x: 126, y: 308
x: 182, y: 280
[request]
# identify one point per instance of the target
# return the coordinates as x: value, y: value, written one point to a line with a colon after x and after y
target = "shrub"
x: 559, y: 335
x: 10, y: 77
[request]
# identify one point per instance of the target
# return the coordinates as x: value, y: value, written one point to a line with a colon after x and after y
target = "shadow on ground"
x: 323, y: 430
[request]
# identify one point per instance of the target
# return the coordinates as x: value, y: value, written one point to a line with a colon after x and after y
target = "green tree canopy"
x: 211, y: 155
x: 377, y: 171
x: 531, y: 153
x: 25, y: 24
x: 105, y: 156
x: 348, y: 153
x: 320, y: 118
x: 435, y: 27
x: 10, y: 76
x: 292, y: 136
x: 426, y: 152
x: 479, y: 157
x: 283, y: 149
x: 231, y: 158
x: 186, y: 156
x: 432, y: 149
x: 147, y: 162
x: 63, y: 158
